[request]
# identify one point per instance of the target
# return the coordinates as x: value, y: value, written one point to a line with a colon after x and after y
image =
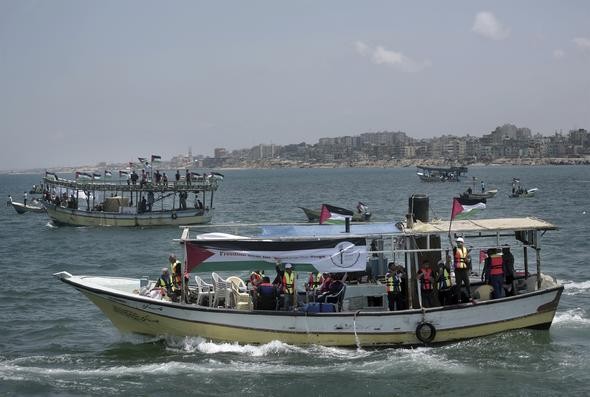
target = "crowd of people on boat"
x: 282, y: 294
x: 436, y: 282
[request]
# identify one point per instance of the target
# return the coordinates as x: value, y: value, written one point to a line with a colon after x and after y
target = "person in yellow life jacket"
x: 444, y: 282
x: 427, y: 278
x: 462, y: 264
x: 393, y: 286
x: 289, y: 288
x: 314, y: 282
x: 494, y: 272
x: 166, y: 284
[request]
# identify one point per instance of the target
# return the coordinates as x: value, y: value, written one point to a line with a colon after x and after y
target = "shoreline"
x: 276, y: 164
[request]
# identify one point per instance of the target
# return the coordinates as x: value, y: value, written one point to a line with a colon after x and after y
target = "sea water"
x: 54, y: 342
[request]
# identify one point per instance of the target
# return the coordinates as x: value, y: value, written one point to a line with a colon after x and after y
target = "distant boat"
x: 21, y: 208
x: 314, y: 215
x: 119, y: 203
x: 440, y: 174
x: 524, y: 193
x: 485, y: 195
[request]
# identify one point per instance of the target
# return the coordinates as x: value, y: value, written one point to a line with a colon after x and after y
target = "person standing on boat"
x: 427, y: 276
x: 462, y: 264
x: 9, y: 202
x: 187, y: 177
x: 393, y: 285
x: 289, y: 287
x: 25, y: 196
x: 483, y: 186
x: 494, y: 272
x: 508, y: 259
x: 177, y: 176
x: 444, y: 281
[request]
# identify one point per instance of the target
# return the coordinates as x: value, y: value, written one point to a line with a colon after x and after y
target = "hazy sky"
x: 89, y: 81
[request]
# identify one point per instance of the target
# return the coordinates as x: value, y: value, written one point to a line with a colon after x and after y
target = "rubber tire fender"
x: 429, y: 335
x: 174, y: 216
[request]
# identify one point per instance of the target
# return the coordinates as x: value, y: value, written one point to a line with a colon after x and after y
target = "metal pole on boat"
x: 526, y: 263
x: 538, y: 252
x: 347, y: 225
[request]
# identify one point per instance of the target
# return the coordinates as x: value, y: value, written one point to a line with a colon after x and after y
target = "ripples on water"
x: 55, y: 342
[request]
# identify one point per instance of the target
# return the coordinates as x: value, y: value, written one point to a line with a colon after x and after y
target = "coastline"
x: 271, y: 164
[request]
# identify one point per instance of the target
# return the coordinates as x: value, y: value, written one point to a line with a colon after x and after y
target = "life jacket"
x: 496, y: 265
x: 444, y: 280
x: 289, y: 282
x: 460, y: 258
x: 315, y: 280
x: 255, y: 279
x: 167, y: 283
x: 393, y: 284
x: 427, y: 279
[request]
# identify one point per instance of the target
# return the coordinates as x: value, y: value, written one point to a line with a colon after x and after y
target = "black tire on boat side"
x: 174, y: 216
x: 425, y: 332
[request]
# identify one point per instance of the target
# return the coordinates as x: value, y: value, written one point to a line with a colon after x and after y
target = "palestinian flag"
x: 331, y: 214
x: 466, y: 207
x: 83, y: 175
x: 156, y: 157
x: 107, y: 174
x: 142, y: 160
x: 96, y: 175
x: 121, y: 173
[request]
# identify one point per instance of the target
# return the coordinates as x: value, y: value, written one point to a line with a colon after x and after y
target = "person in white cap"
x: 289, y: 287
x: 462, y: 265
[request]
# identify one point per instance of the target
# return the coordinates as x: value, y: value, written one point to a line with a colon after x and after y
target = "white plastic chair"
x: 222, y: 291
x: 239, y: 293
x: 204, y: 289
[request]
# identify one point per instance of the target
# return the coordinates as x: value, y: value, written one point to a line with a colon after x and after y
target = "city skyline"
x: 90, y: 82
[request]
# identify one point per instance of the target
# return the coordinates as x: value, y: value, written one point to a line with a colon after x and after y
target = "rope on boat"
x: 356, y: 337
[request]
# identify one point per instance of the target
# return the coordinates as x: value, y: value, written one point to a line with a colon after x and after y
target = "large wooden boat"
x: 440, y: 174
x: 358, y: 314
x: 121, y: 203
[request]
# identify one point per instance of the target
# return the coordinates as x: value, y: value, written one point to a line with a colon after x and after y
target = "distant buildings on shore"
x: 506, y: 144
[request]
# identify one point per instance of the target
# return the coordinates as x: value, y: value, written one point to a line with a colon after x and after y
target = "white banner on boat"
x: 332, y: 256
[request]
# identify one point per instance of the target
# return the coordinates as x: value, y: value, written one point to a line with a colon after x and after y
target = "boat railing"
x: 208, y: 184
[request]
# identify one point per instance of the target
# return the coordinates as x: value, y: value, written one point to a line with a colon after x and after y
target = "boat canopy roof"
x: 480, y: 225
x: 369, y: 230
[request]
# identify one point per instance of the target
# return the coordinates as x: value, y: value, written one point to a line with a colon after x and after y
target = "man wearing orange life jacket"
x: 427, y: 277
x: 462, y: 264
x: 494, y: 272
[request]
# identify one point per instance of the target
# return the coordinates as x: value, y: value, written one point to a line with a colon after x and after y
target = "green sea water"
x: 54, y: 342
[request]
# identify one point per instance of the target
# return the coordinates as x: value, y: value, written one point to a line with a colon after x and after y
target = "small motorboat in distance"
x: 485, y: 195
x: 524, y: 193
x: 22, y: 208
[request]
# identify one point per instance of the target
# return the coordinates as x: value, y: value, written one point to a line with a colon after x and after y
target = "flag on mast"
x: 156, y: 157
x: 466, y: 207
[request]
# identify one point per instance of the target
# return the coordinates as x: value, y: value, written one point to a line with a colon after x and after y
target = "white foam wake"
x: 575, y: 288
x: 572, y: 318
